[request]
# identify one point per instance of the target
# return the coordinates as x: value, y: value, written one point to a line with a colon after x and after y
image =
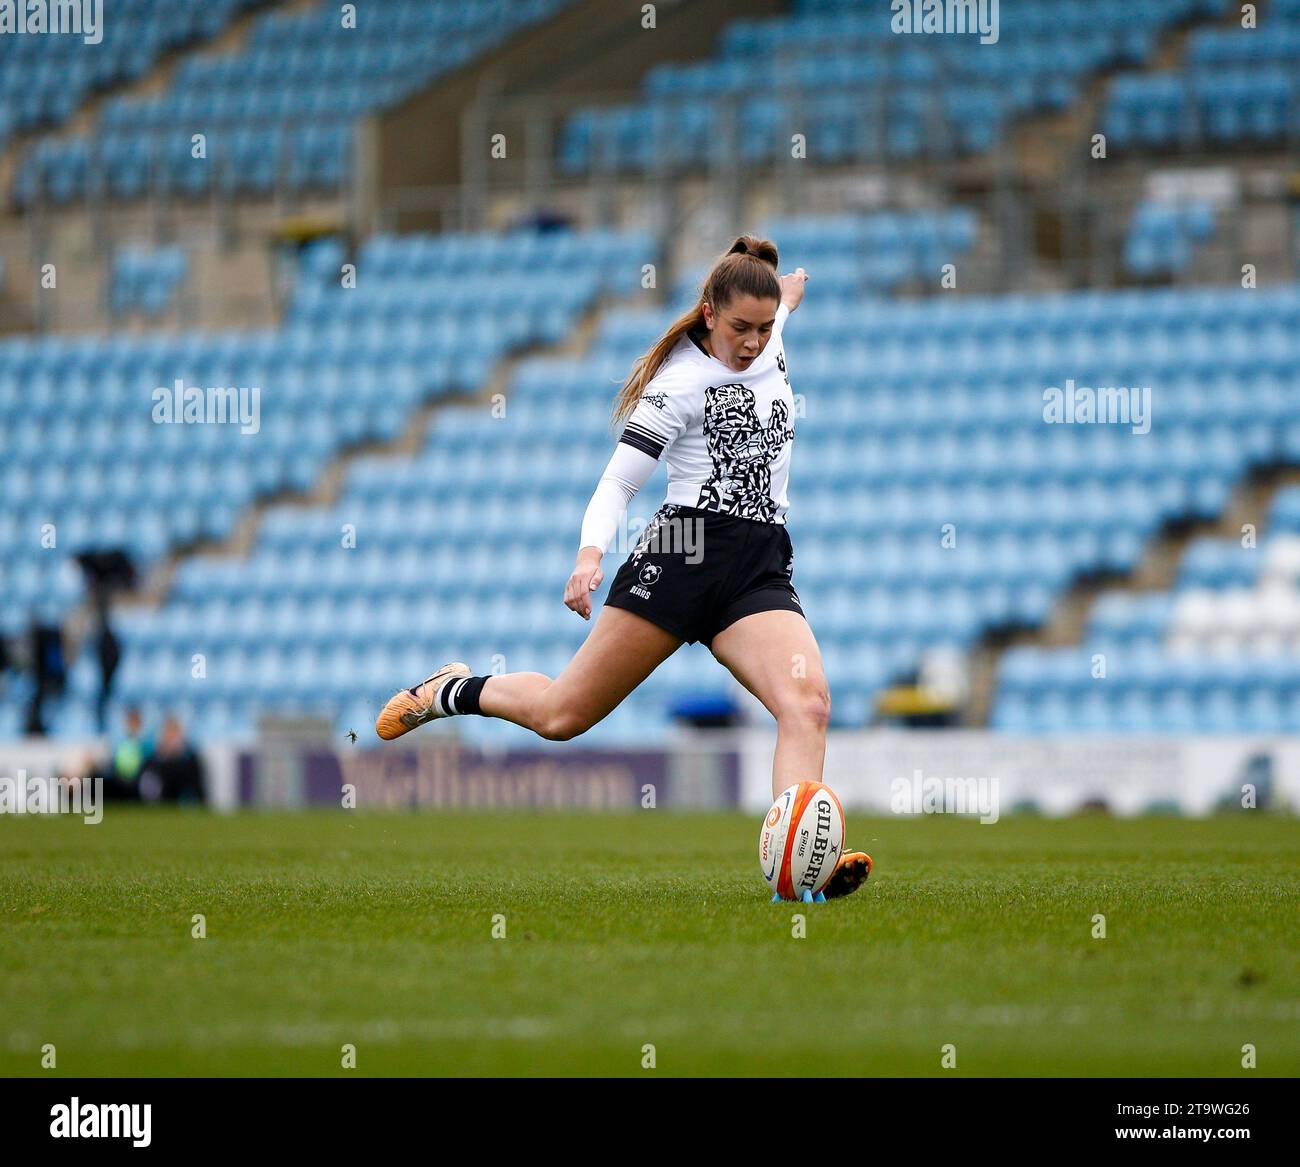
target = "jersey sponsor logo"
x: 658, y: 400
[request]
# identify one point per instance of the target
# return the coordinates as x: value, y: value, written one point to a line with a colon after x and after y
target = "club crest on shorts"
x: 650, y: 572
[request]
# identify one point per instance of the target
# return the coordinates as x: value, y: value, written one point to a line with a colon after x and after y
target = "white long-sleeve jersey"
x: 727, y: 436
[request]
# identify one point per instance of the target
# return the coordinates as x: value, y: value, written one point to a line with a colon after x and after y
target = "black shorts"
x: 693, y: 572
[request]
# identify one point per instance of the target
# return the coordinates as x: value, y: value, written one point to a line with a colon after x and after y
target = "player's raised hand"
x: 585, y: 579
x: 792, y: 288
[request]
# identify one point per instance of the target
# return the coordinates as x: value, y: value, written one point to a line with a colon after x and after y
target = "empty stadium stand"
x: 44, y: 79
x: 1220, y: 653
x: 836, y: 71
x: 280, y: 111
x: 1235, y: 90
x: 91, y: 448
x: 1161, y: 237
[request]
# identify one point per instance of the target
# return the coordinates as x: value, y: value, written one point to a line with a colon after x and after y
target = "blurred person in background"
x: 109, y: 652
x: 174, y: 771
x: 49, y: 671
x: 122, y: 772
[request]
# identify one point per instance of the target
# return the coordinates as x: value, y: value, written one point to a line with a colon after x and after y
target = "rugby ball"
x: 801, y: 839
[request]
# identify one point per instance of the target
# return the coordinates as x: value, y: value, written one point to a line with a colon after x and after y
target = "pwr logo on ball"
x: 801, y: 839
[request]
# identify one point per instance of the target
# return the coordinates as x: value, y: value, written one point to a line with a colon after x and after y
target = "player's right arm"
x: 666, y: 408
x: 792, y: 286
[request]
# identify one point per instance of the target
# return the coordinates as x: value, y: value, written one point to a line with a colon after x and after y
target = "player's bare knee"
x: 543, y: 716
x: 807, y: 710
x: 561, y: 725
x: 819, y: 708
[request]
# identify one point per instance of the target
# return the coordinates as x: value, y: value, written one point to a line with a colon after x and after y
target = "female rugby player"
x: 713, y: 565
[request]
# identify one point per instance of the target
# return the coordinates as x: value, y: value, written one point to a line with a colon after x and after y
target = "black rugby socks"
x: 461, y: 695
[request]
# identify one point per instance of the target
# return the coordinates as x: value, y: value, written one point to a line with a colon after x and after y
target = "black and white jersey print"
x: 742, y: 450
x: 727, y: 435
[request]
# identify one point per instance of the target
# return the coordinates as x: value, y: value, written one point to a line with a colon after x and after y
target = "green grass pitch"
x: 623, y: 931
